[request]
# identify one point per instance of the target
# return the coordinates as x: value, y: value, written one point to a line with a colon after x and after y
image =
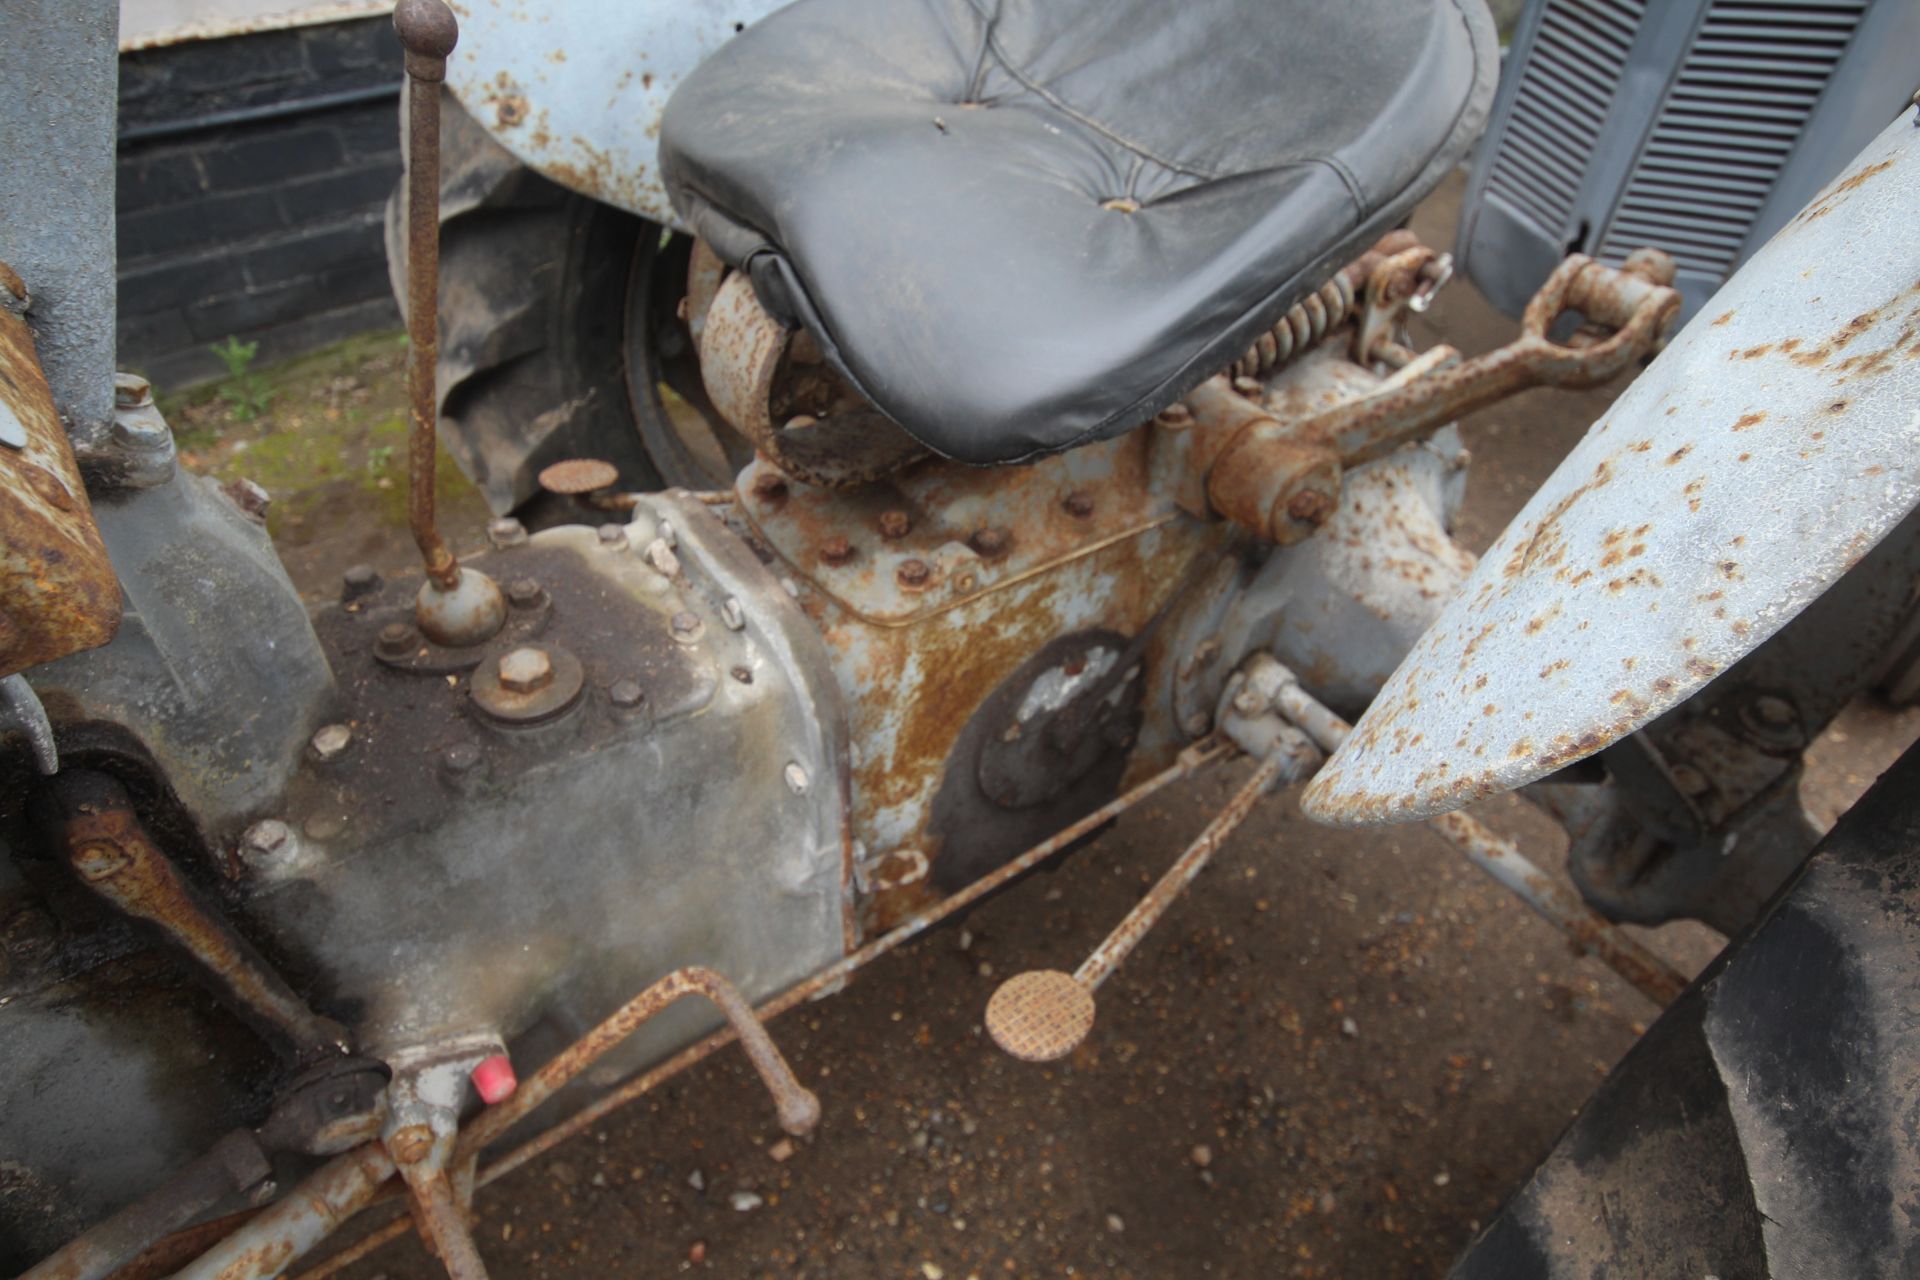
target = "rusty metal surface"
x: 268, y: 1243
x: 443, y: 1225
x: 799, y: 1109
x: 571, y: 476
x: 58, y: 594
x: 429, y: 32
x: 111, y: 852
x: 1763, y: 454
x: 576, y: 90
x: 157, y: 27
x: 1083, y: 542
x: 772, y: 384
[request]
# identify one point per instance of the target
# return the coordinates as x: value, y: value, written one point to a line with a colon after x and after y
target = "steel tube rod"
x: 285, y: 1231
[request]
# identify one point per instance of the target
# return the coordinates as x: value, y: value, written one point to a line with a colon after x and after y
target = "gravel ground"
x: 1334, y: 1056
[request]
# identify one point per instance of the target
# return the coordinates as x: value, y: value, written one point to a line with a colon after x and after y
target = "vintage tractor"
x: 1055, y: 436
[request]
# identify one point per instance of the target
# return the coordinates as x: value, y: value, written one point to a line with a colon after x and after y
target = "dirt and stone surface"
x: 1334, y: 1057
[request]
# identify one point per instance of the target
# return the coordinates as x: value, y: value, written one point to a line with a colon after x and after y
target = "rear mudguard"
x: 1764, y: 453
x: 575, y: 90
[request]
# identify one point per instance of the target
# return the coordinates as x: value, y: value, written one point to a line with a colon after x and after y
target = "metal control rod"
x: 1555, y: 902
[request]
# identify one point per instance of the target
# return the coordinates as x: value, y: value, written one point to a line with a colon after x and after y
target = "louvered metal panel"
x: 1560, y: 108
x: 1727, y: 126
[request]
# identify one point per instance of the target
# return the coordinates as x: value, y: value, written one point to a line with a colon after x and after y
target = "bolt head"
x: 685, y: 625
x: 397, y: 640
x: 769, y: 487
x: 895, y: 524
x: 523, y: 593
x: 360, y: 580
x: 613, y: 535
x: 506, y: 532
x: 913, y: 573
x: 267, y: 838
x: 836, y: 550
x: 626, y: 694
x: 131, y: 391
x: 525, y: 670
x: 991, y: 542
x: 1311, y: 506
x: 1079, y: 504
x: 796, y: 778
x: 329, y: 740
x: 461, y: 757
x: 1773, y: 711
x: 411, y: 1144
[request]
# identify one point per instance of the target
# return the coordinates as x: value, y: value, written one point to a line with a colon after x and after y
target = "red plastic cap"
x: 494, y: 1079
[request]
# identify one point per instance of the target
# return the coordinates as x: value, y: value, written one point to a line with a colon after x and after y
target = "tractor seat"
x: 1021, y: 225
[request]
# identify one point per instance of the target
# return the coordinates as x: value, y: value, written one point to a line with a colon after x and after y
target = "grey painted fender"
x: 1760, y: 456
x: 575, y: 90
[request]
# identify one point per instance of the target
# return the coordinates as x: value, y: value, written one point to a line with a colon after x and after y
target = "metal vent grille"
x: 1560, y: 108
x: 1730, y: 121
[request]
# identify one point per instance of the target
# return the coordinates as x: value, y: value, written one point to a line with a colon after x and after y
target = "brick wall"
x: 253, y: 178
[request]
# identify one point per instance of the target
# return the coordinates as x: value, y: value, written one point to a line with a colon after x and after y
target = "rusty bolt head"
x: 1079, y: 504
x: 1311, y: 506
x: 523, y: 593
x: 506, y: 532
x: 397, y: 640
x: 1250, y: 387
x: 1176, y: 417
x: 1774, y: 712
x: 895, y: 524
x: 991, y: 542
x: 685, y: 625
x: 411, y: 1145
x: 131, y: 391
x: 836, y: 550
x: 525, y: 670
x: 329, y: 740
x: 625, y: 694
x: 769, y: 487
x: 913, y: 573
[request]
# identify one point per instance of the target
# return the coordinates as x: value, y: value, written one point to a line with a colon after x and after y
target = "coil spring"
x: 1303, y: 326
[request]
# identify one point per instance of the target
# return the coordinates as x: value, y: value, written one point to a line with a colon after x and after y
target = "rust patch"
x: 1747, y: 420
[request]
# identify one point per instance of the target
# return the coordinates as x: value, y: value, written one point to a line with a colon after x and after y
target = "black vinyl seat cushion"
x: 945, y: 191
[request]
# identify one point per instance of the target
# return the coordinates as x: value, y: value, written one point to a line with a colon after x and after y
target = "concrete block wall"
x: 253, y: 177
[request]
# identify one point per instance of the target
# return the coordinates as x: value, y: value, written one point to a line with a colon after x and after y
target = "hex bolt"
x: 525, y: 670
x: 991, y: 542
x: 796, y: 778
x: 613, y: 535
x: 769, y: 487
x: 523, y: 593
x: 358, y: 581
x: 506, y: 532
x: 732, y: 614
x: 913, y: 574
x: 1248, y: 702
x: 397, y: 640
x: 1773, y: 711
x: 895, y: 524
x: 1079, y: 504
x: 131, y: 391
x: 329, y: 740
x: 685, y: 626
x: 836, y: 550
x: 1176, y: 417
x: 266, y: 841
x: 625, y: 694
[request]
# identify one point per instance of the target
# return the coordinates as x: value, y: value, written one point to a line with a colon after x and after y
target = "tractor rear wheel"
x: 559, y: 331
